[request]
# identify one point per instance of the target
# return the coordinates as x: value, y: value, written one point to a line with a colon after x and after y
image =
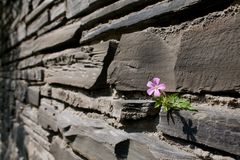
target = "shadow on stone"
x: 121, y: 149
x: 187, y: 128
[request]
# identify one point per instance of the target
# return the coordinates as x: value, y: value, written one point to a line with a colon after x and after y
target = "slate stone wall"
x: 73, y: 79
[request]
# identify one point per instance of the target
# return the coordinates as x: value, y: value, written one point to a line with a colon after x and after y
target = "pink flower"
x: 155, y: 87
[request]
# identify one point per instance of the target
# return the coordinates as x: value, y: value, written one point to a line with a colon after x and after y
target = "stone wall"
x: 73, y: 79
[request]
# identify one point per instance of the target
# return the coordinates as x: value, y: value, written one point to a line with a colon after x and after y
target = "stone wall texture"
x: 73, y: 77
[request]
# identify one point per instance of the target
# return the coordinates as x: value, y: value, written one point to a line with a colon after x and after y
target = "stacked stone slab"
x: 73, y: 79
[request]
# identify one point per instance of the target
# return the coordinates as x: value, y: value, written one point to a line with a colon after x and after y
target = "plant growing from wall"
x: 167, y: 102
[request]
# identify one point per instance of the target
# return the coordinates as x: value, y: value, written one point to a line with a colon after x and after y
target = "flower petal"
x: 150, y: 84
x: 150, y: 91
x: 156, y: 80
x: 162, y: 86
x: 157, y: 93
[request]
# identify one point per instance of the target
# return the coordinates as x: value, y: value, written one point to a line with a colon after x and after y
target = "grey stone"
x: 212, y: 126
x: 24, y: 8
x: 36, y: 74
x: 46, y: 91
x: 38, y: 10
x: 36, y: 131
x: 53, y: 39
x: 33, y: 95
x: 57, y: 11
x: 60, y: 150
x: 36, y: 151
x: 143, y: 147
x: 155, y: 11
x: 132, y: 109
x: 28, y: 111
x: 84, y: 67
x: 30, y: 62
x: 15, y: 23
x: 178, y: 59
x: 48, y: 112
x: 26, y: 48
x: 91, y: 135
x: 158, y: 9
x: 115, y: 9
x: 120, y: 109
x: 35, y: 3
x: 55, y: 24
x: 110, y: 143
x: 13, y: 85
x: 21, y: 31
x: 13, y: 38
x: 76, y: 99
x: 204, y: 70
x: 38, y: 23
x: 140, y: 56
x: 39, y: 139
x: 21, y: 90
x: 77, y: 7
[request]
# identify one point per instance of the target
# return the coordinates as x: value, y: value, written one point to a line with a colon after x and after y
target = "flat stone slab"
x: 108, y: 142
x: 112, y: 10
x: 185, y: 59
x: 60, y: 150
x: 57, y: 11
x: 211, y: 125
x: 38, y: 23
x: 47, y: 114
x: 30, y: 62
x: 143, y: 147
x: 35, y: 150
x: 120, y: 109
x: 21, y: 90
x: 43, y: 6
x: 84, y: 67
x: 33, y: 96
x: 135, y: 62
x: 199, y: 66
x: 53, y: 39
x: 147, y: 14
x: 79, y: 7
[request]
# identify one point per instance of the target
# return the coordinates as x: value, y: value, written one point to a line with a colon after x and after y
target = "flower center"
x: 156, y: 87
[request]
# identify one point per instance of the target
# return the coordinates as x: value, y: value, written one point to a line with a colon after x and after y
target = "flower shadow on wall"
x: 172, y: 104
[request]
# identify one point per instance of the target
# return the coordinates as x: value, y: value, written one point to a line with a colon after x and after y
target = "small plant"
x: 167, y: 102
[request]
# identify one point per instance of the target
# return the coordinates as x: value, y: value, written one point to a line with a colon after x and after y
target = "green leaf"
x: 173, y: 101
